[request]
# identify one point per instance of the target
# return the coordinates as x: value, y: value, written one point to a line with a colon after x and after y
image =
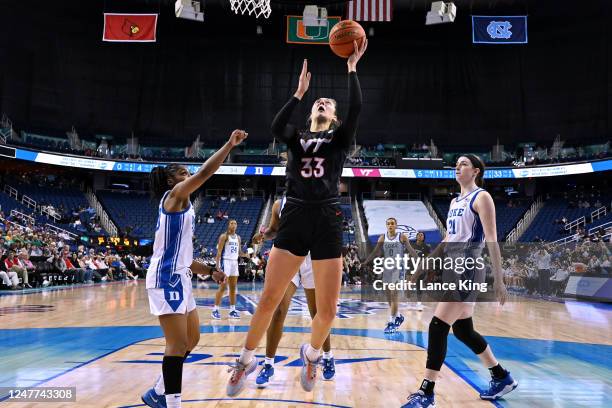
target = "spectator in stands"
x: 210, y: 220
x: 246, y: 221
x: 559, y: 280
x: 199, y: 219
x: 24, y: 259
x: 420, y: 246
x: 12, y: 264
x: 36, y: 251
x: 103, y: 268
x: 542, y: 261
x: 10, y: 279
x: 220, y: 215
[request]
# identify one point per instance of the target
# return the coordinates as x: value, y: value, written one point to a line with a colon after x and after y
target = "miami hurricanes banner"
x: 499, y: 29
x: 130, y: 27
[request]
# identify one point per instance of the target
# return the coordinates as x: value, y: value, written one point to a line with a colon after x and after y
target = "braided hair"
x: 158, y: 179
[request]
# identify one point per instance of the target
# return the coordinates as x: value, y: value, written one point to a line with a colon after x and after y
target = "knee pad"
x: 436, y: 346
x: 464, y: 331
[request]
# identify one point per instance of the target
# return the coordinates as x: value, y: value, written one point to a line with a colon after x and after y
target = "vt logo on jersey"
x: 225, y: 359
x: 499, y: 29
x: 299, y: 307
x: 316, y: 142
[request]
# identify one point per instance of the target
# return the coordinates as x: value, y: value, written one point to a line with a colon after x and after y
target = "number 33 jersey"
x: 314, y: 165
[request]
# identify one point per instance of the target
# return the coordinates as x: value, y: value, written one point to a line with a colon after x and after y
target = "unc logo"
x: 499, y: 29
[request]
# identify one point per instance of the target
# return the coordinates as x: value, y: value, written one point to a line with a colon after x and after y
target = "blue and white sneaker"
x: 234, y: 314
x: 329, y: 368
x: 499, y: 388
x: 216, y: 315
x: 420, y: 400
x: 267, y: 372
x: 151, y: 399
x: 240, y: 372
x: 390, y: 329
x: 308, y: 376
x: 398, y: 321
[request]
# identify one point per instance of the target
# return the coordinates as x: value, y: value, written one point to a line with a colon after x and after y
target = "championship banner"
x: 499, y: 29
x: 130, y: 27
x: 298, y: 33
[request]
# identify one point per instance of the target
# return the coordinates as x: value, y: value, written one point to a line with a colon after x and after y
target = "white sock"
x: 391, y: 319
x: 270, y: 360
x: 312, y: 353
x: 246, y: 356
x: 327, y: 355
x: 159, y: 388
x: 173, y: 400
x: 232, y: 308
x: 216, y: 308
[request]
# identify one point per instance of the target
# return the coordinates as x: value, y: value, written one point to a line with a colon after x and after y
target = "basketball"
x: 342, y: 36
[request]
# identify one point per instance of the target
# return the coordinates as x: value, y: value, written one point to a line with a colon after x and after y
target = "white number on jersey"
x: 308, y: 170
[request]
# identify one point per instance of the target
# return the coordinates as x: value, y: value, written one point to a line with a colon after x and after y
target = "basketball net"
x: 257, y: 7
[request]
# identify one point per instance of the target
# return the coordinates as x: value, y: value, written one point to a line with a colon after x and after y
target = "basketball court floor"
x: 102, y: 340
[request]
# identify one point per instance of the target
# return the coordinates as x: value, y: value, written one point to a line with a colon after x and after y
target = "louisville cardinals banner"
x: 369, y: 10
x: 130, y: 27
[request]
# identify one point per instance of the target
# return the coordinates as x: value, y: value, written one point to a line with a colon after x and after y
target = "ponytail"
x: 158, y: 182
x: 478, y: 164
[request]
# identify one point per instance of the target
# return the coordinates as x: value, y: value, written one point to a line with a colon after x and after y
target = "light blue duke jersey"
x: 462, y: 222
x: 173, y: 246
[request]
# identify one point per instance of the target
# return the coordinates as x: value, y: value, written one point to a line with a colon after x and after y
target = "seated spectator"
x: 246, y: 221
x: 12, y: 264
x: 210, y: 220
x: 10, y: 279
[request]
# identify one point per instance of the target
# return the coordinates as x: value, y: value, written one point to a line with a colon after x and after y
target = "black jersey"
x: 315, y: 159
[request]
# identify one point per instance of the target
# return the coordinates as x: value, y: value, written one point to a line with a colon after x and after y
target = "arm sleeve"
x: 346, y: 132
x: 281, y: 129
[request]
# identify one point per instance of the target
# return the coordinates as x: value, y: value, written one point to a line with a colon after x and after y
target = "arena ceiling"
x: 419, y: 82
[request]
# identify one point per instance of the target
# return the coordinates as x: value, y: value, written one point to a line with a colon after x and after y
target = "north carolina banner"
x: 499, y: 29
x: 130, y: 27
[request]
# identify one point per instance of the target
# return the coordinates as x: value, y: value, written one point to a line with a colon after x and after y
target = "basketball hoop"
x: 257, y: 7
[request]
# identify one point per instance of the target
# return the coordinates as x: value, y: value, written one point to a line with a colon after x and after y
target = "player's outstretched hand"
x: 237, y: 137
x: 357, y: 54
x: 501, y: 294
x: 218, y: 276
x: 304, y: 81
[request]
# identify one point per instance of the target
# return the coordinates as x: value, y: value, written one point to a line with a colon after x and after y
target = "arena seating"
x: 507, y: 217
x: 545, y: 227
x: 68, y: 198
x: 130, y: 209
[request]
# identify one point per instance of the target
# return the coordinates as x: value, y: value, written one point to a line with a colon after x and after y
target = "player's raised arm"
x: 281, y: 129
x: 348, y: 129
x: 183, y: 189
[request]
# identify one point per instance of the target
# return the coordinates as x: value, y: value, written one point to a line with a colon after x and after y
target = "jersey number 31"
x: 308, y: 170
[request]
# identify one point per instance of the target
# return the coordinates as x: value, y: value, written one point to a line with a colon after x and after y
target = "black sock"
x: 498, y: 372
x: 172, y: 368
x: 427, y: 387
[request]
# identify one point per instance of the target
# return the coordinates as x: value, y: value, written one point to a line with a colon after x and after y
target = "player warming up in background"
x: 471, y: 219
x: 311, y: 221
x: 275, y: 331
x: 393, y: 244
x: 169, y: 274
x: 229, y: 248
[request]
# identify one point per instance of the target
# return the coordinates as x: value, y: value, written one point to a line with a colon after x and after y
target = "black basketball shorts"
x: 311, y: 226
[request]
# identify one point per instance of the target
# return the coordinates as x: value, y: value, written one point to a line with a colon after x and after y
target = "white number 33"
x: 308, y: 170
